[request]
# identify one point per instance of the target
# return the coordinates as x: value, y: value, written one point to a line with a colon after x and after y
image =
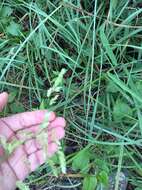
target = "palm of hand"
x: 29, y: 155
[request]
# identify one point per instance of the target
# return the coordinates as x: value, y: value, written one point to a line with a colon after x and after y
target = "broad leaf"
x: 121, y: 110
x: 17, y: 107
x: 5, y: 11
x: 101, y: 165
x: 103, y: 178
x: 114, y: 3
x: 81, y: 160
x: 89, y: 183
x: 111, y: 87
x: 12, y: 96
x: 13, y: 29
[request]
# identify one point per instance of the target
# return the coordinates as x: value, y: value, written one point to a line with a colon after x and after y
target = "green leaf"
x: 22, y: 186
x: 121, y: 110
x: 124, y: 87
x: 53, y: 167
x: 114, y: 3
x: 81, y: 160
x: 103, y: 178
x: 13, y: 29
x: 111, y: 87
x: 55, y: 159
x: 62, y: 161
x: 12, y: 96
x: 107, y: 47
x: 101, y: 165
x: 89, y: 183
x: 42, y: 105
x: 6, y: 11
x: 139, y: 87
x: 17, y: 107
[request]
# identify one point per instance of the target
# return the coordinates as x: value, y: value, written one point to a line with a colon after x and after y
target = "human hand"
x: 29, y: 155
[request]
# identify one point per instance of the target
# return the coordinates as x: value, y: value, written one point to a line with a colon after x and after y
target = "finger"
x: 7, y: 134
x: 27, y: 119
x: 37, y: 158
x: 3, y: 100
x: 40, y: 157
x: 58, y: 122
x: 7, y: 177
x: 27, y: 133
x: 52, y: 149
x: 1, y: 153
x: 54, y: 135
x: 5, y: 130
x: 30, y: 146
x: 19, y: 163
x: 34, y: 163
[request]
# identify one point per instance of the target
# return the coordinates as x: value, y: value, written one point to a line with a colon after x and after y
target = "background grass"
x: 99, y: 44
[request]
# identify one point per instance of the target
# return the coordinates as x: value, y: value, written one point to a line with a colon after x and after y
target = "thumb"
x: 3, y: 100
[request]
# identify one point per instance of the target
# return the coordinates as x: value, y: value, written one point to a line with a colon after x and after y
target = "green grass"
x: 99, y: 44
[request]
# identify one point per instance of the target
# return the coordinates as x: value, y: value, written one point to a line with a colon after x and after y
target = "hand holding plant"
x: 29, y: 155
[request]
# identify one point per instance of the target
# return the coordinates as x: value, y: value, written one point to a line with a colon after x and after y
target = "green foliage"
x: 53, y: 167
x: 17, y: 107
x: 121, y: 110
x: 139, y: 87
x: 101, y: 165
x: 81, y: 160
x: 114, y: 3
x: 13, y: 28
x: 22, y: 186
x: 12, y: 96
x: 62, y: 160
x: 42, y: 138
x: 112, y: 88
x: 107, y: 47
x: 103, y: 178
x: 89, y: 183
x: 98, y: 43
x: 5, y: 11
x: 57, y: 86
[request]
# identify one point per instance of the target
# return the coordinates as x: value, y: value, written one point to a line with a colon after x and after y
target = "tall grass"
x: 99, y: 44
